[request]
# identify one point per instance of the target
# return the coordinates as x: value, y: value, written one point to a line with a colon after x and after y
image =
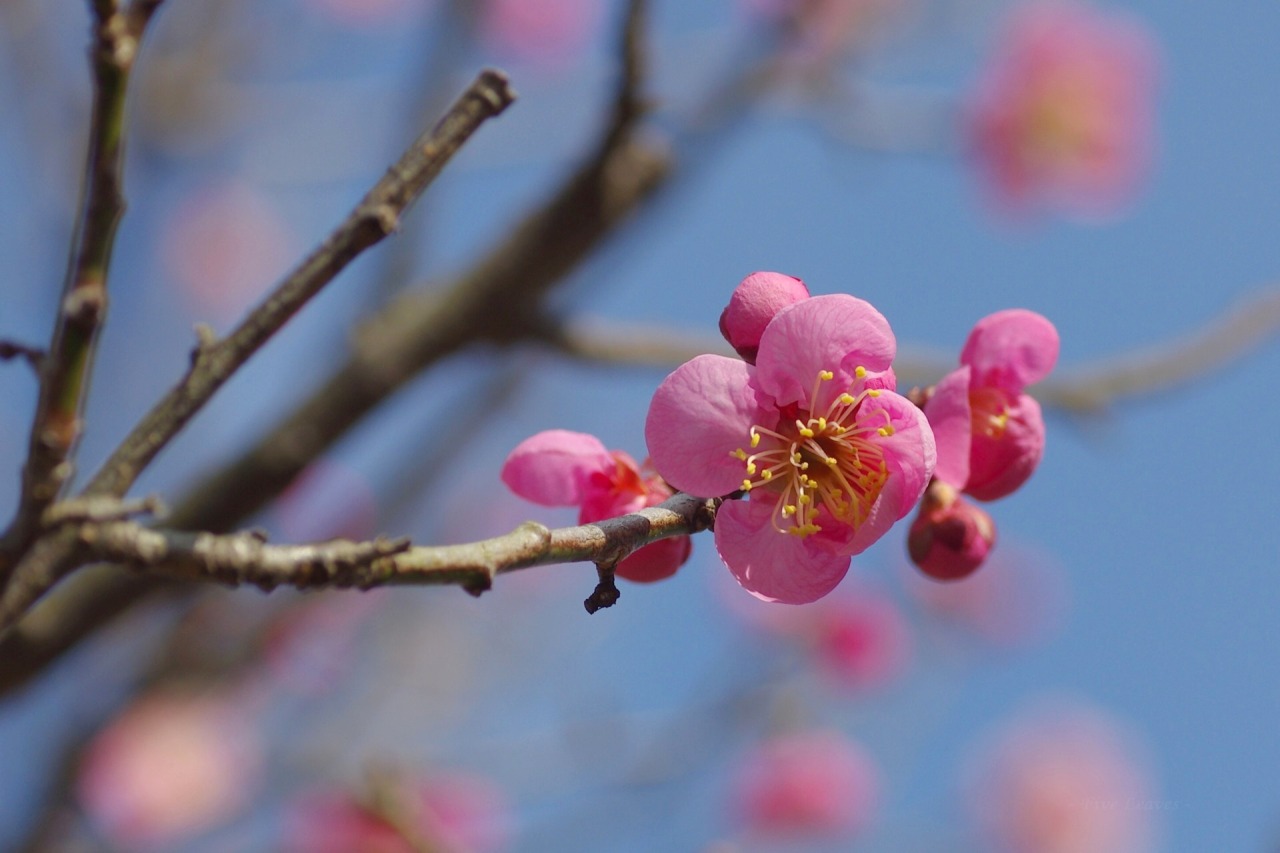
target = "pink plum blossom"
x: 169, y: 767
x: 753, y: 304
x: 224, y: 246
x: 1063, y: 112
x: 829, y: 455
x: 455, y: 812
x: 807, y: 783
x: 950, y: 538
x: 1062, y: 779
x: 540, y: 31
x: 856, y: 638
x: 562, y: 468
x: 990, y: 435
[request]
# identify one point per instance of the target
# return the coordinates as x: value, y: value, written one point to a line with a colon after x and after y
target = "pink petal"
x: 551, y: 468
x: 656, y: 561
x: 910, y: 451
x: 699, y: 416
x: 838, y: 333
x: 998, y: 466
x: 951, y: 418
x: 753, y: 305
x: 1011, y: 349
x: 772, y: 565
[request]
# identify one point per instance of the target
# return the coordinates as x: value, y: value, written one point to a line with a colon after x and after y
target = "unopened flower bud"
x: 951, y: 537
x: 753, y: 304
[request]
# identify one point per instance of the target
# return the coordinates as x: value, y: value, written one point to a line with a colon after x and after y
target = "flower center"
x: 827, y: 459
x: 989, y: 408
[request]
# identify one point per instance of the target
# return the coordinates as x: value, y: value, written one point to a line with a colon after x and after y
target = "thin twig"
x: 65, y: 372
x: 415, y: 332
x: 11, y: 350
x: 375, y: 217
x: 239, y: 559
x: 48, y: 561
x: 500, y: 299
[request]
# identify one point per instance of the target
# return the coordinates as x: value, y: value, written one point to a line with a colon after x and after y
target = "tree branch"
x: 375, y: 217
x: 65, y: 372
x: 239, y: 559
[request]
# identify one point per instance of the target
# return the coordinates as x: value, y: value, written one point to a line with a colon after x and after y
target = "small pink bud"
x: 753, y: 304
x: 951, y: 537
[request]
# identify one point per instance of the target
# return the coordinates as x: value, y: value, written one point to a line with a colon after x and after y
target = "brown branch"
x: 11, y: 350
x: 239, y: 559
x: 375, y: 217
x: 65, y: 372
x: 497, y: 299
x: 49, y: 560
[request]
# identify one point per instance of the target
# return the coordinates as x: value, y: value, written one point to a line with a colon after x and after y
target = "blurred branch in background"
x: 1088, y: 389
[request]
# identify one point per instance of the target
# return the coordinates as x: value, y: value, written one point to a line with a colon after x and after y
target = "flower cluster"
x: 989, y: 434
x: 828, y: 455
x: 809, y: 430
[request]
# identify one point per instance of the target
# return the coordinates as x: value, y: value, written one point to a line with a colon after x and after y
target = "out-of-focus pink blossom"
x: 861, y: 640
x: 829, y: 454
x: 545, y: 32
x: 990, y: 435
x: 224, y: 247
x: 1062, y: 780
x: 858, y: 638
x: 457, y: 813
x: 1020, y: 597
x: 807, y: 783
x: 950, y: 537
x: 753, y: 304
x: 562, y: 468
x: 169, y: 767
x: 1062, y: 115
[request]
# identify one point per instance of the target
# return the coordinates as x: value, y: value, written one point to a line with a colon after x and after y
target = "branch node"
x: 206, y: 340
x: 606, y: 593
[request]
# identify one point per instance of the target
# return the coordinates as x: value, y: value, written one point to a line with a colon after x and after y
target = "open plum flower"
x: 562, y: 468
x: 829, y: 454
x: 990, y: 434
x: 1063, y: 115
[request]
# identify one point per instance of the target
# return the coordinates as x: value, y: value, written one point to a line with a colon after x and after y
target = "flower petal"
x: 551, y: 468
x: 772, y: 565
x: 699, y: 416
x: 1011, y: 349
x: 910, y: 451
x: 656, y: 561
x: 999, y: 466
x: 837, y: 332
x: 951, y: 419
